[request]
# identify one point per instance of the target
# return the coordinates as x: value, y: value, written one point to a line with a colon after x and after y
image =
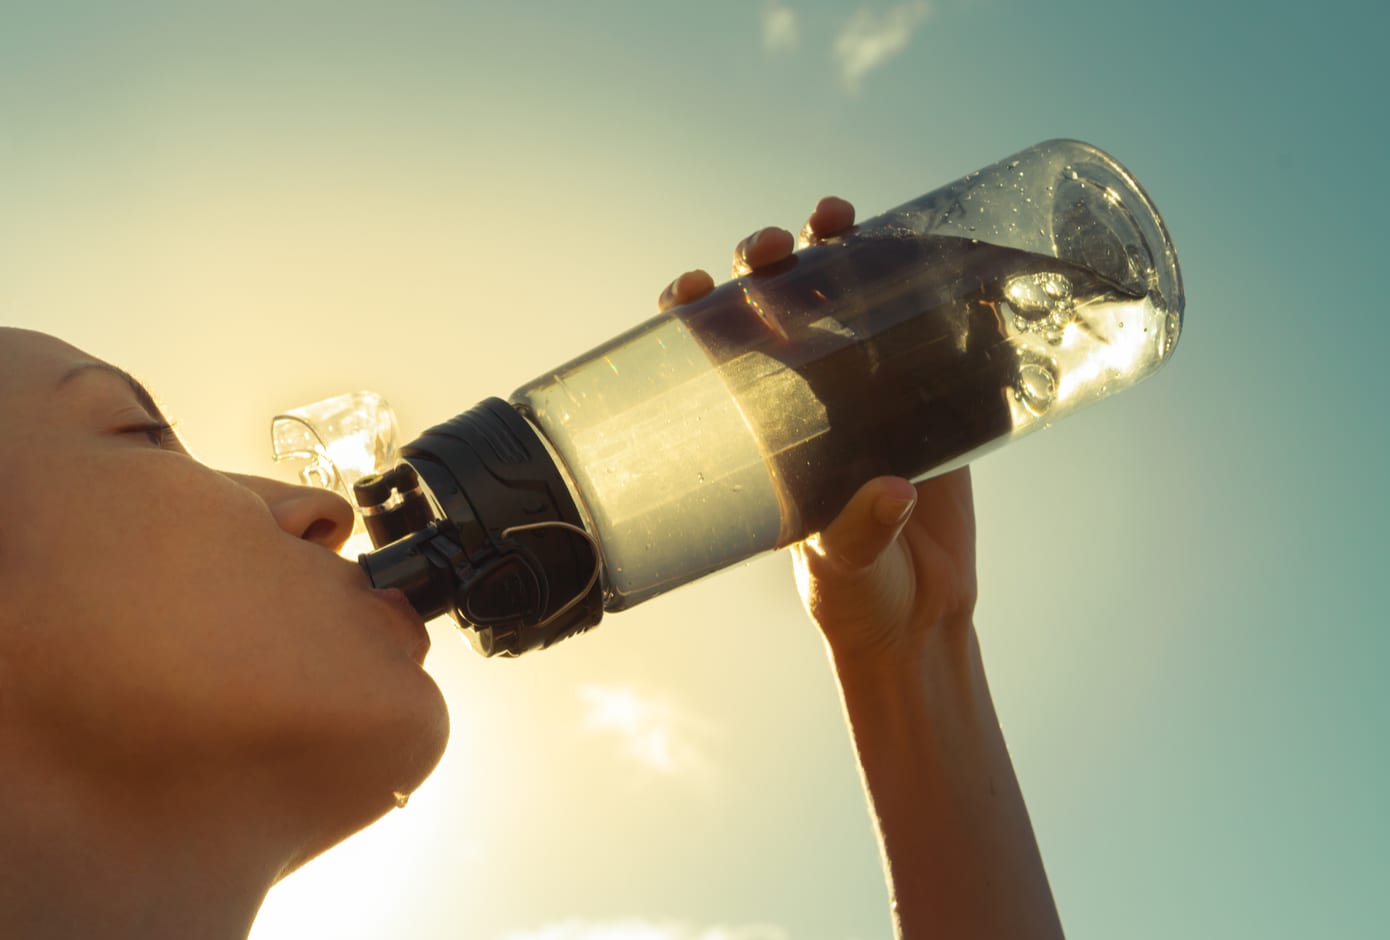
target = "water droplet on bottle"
x: 1172, y: 325
x: 700, y: 477
x: 738, y: 487
x: 402, y: 798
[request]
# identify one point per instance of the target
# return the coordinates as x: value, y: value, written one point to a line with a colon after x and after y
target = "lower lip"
x: 397, y: 599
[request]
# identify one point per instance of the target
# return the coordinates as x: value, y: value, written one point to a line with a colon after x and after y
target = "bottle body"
x: 909, y: 346
x: 745, y: 421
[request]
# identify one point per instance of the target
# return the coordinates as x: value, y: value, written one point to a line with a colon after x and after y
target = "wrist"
x: 946, y: 651
x: 936, y: 693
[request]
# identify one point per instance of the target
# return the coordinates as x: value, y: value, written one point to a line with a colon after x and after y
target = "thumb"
x: 868, y: 524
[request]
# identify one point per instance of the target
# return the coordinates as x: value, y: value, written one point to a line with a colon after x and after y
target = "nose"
x: 315, y: 515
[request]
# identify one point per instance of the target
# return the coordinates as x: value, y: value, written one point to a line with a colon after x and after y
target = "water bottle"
x: 743, y: 422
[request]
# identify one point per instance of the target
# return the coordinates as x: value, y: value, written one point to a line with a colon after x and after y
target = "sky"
x: 256, y: 205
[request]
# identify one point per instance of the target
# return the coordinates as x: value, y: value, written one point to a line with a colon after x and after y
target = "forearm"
x: 959, y: 849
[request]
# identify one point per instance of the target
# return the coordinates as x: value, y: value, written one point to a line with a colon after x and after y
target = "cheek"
x: 164, y: 549
x: 136, y: 578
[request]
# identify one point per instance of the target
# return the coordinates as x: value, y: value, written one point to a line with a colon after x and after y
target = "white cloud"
x: 869, y: 40
x: 652, y: 732
x: 780, y: 29
x: 646, y: 930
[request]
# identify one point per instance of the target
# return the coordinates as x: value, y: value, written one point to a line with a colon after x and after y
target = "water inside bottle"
x: 746, y: 420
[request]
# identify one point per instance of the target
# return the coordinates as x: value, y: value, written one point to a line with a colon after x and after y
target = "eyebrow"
x: 141, y: 393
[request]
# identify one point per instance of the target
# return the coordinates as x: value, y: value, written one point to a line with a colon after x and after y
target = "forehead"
x: 30, y: 366
x: 30, y: 362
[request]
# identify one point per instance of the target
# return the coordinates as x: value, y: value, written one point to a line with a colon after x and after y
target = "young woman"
x: 197, y: 694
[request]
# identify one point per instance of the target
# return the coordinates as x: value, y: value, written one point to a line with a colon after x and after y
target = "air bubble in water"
x: 1037, y: 384
x: 1036, y: 296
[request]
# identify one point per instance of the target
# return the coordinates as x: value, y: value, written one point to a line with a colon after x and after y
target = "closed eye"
x: 158, y: 433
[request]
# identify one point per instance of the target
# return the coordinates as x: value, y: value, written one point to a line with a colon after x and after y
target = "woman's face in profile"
x: 157, y: 614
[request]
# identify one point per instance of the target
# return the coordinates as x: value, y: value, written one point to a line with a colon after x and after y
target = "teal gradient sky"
x: 255, y: 205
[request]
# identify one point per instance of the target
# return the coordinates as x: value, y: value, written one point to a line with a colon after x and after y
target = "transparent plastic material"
x: 911, y: 345
x: 339, y: 439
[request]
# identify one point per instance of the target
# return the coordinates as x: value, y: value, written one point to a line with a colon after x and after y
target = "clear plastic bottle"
x: 742, y: 422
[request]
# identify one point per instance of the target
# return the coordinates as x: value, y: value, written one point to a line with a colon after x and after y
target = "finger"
x: 762, y: 248
x: 831, y: 216
x: 867, y: 525
x: 692, y: 285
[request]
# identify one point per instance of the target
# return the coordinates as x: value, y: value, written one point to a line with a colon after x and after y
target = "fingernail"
x: 893, y: 511
x: 751, y: 242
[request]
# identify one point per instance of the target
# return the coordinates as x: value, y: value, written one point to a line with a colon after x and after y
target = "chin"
x: 403, y: 752
x: 351, y: 780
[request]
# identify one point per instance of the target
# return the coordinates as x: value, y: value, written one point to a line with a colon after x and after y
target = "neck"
x: 122, y: 860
